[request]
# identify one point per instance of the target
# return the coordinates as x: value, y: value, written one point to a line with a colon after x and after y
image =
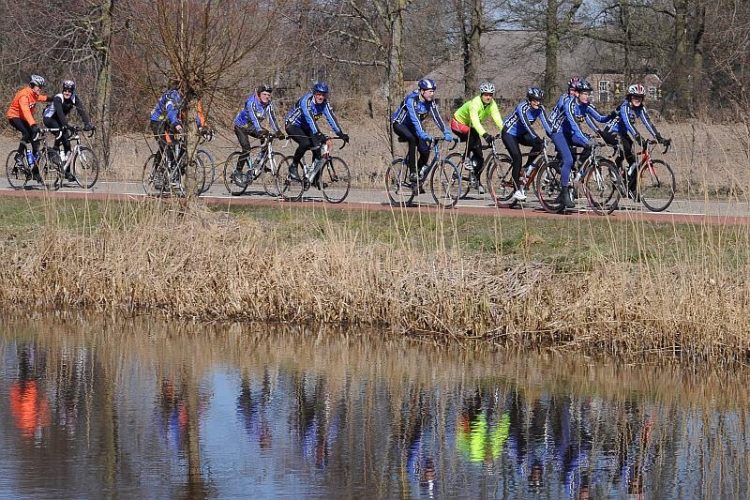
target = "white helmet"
x: 37, y: 81
x: 487, y: 88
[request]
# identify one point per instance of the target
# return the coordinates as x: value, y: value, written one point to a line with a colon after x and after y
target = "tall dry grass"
x: 179, y: 261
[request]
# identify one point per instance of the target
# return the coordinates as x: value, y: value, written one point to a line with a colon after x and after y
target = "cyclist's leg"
x: 411, y: 139
x: 25, y: 130
x: 511, y: 144
x: 304, y: 143
x: 157, y: 128
x: 536, y: 145
x: 566, y: 156
x: 632, y: 172
x: 242, y: 134
x: 475, y: 146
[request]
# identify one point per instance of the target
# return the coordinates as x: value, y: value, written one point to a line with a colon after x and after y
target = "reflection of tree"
x: 252, y: 409
x: 28, y: 403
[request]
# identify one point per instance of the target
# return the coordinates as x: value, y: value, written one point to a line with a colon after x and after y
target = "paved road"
x: 710, y: 211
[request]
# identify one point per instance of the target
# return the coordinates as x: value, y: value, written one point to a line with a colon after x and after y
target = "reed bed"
x: 688, y: 302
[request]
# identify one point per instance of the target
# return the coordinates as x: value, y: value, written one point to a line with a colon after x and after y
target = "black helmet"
x: 264, y: 88
x: 535, y: 93
x: 69, y: 85
x: 584, y: 86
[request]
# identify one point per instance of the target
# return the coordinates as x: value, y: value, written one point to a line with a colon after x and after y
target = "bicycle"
x: 469, y: 179
x: 445, y: 180
x: 81, y: 162
x: 19, y: 167
x: 597, y: 177
x: 262, y: 161
x: 173, y: 173
x: 209, y: 165
x: 500, y: 175
x: 330, y: 174
x: 655, y: 183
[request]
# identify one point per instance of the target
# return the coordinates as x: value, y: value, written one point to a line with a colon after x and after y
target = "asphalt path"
x: 692, y: 211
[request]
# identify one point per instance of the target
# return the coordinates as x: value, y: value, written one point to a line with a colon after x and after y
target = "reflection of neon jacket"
x: 29, y: 408
x: 474, y: 112
x: 477, y: 440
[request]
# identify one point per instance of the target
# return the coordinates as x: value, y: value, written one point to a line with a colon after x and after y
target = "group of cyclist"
x: 563, y: 125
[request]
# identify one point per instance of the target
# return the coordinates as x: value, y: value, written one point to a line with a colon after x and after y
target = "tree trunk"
x: 104, y: 79
x: 395, y: 63
x: 472, y: 58
x: 551, y: 46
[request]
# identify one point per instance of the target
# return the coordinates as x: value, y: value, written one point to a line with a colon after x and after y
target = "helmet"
x: 573, y: 83
x: 37, y: 81
x: 320, y: 87
x: 636, y: 90
x: 264, y: 88
x: 584, y: 86
x: 69, y: 85
x: 427, y: 84
x: 487, y: 88
x: 535, y: 93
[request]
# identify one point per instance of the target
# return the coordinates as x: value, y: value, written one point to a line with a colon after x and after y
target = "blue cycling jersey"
x: 413, y: 111
x: 256, y: 112
x: 625, y: 121
x: 519, y: 123
x: 574, y: 113
x: 168, y: 107
x: 306, y: 112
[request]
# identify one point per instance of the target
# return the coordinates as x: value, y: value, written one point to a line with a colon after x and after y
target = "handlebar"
x: 75, y: 130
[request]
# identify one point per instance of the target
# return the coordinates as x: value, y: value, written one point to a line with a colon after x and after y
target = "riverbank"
x: 600, y: 287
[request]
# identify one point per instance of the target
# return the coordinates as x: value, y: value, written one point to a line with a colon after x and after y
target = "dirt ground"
x: 709, y: 159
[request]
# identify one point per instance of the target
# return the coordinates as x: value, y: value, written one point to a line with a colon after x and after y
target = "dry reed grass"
x: 188, y: 262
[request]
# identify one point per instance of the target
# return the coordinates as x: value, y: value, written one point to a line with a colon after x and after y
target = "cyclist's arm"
x: 411, y: 108
x: 476, y: 123
x: 253, y: 117
x: 647, y: 122
x: 306, y: 106
x: 579, y: 138
x: 522, y: 111
x: 331, y: 118
x: 271, y: 113
x: 435, y: 112
x: 200, y: 115
x: 545, y: 123
x: 81, y: 109
x: 173, y: 112
x: 496, y: 116
x: 625, y: 120
x: 57, y: 104
x: 25, y: 105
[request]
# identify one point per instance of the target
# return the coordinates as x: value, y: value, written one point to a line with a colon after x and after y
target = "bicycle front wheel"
x: 49, y: 172
x: 85, y: 167
x: 397, y: 185
x: 193, y: 178
x: 153, y: 177
x: 289, y: 189
x: 458, y: 160
x: 335, y: 180
x: 235, y: 183
x: 14, y: 170
x: 209, y: 169
x: 270, y: 173
x: 656, y: 185
x: 500, y: 180
x: 445, y: 184
x: 549, y: 186
x: 601, y: 186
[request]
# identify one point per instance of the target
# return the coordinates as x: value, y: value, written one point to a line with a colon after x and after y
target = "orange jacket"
x: 23, y: 105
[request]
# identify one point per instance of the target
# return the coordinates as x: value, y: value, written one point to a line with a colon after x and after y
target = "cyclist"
x: 517, y: 131
x: 407, y: 124
x: 301, y: 125
x: 467, y: 125
x: 21, y: 117
x: 567, y: 133
x: 168, y: 114
x: 55, y: 116
x: 623, y: 126
x: 248, y: 123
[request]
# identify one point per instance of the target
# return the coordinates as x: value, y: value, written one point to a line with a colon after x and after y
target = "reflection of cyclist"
x: 481, y: 437
x: 251, y: 408
x: 28, y: 403
x: 317, y: 427
x: 249, y: 122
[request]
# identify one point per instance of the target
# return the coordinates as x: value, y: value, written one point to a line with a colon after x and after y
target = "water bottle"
x: 309, y: 170
x: 529, y: 170
x: 631, y: 169
x: 30, y: 158
x: 423, y: 172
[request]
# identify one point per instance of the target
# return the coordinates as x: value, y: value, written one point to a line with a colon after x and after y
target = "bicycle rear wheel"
x: 656, y: 185
x: 500, y: 180
x: 601, y: 186
x: 49, y: 172
x: 397, y: 184
x: 154, y: 177
x: 13, y: 170
x: 549, y: 186
x: 289, y: 189
x: 270, y: 174
x: 209, y: 169
x: 458, y: 160
x: 335, y: 180
x: 85, y: 167
x: 235, y: 183
x: 445, y: 184
x: 193, y: 178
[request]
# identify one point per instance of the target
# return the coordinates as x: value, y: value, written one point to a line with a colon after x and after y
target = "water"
x: 141, y: 409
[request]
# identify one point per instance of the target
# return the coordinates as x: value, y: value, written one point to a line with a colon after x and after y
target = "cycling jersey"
x: 168, y: 107
x: 413, y: 111
x: 255, y: 112
x: 519, y: 123
x: 626, y: 115
x: 23, y: 105
x: 574, y: 113
x: 61, y: 107
x: 306, y: 112
x: 474, y: 111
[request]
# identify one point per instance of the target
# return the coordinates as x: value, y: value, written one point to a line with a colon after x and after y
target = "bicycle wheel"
x: 656, y: 185
x: 601, y: 186
x: 270, y: 174
x: 209, y: 169
x: 154, y: 176
x: 500, y: 180
x: 193, y: 178
x: 397, y: 184
x: 334, y: 180
x: 235, y: 184
x: 549, y: 187
x: 289, y: 189
x: 85, y: 167
x: 16, y: 176
x: 49, y: 172
x: 445, y: 184
x: 458, y: 160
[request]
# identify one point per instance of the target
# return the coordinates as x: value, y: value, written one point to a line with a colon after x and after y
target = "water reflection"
x: 146, y: 410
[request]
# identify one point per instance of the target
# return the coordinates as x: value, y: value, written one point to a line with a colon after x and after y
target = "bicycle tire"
x: 209, y: 170
x: 600, y: 184
x: 335, y: 180
x: 656, y: 185
x: 16, y: 177
x: 458, y: 160
x: 548, y: 186
x: 49, y: 172
x: 152, y: 177
x: 193, y: 178
x: 397, y: 186
x: 270, y: 173
x: 500, y: 180
x: 289, y: 189
x: 85, y: 167
x: 445, y: 184
x: 235, y: 187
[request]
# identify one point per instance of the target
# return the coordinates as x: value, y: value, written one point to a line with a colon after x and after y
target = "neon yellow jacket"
x: 474, y: 111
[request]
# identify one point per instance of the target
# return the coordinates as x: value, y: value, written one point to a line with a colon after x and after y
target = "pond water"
x: 93, y: 408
